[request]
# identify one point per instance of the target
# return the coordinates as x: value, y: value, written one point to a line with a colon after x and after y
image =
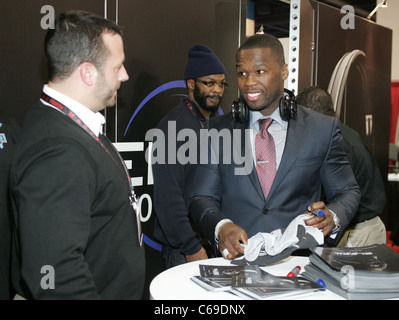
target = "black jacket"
x: 72, y: 213
x: 9, y: 131
x: 367, y: 175
x: 173, y: 226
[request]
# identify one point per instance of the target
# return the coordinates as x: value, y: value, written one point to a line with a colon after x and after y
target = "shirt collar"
x: 254, y: 116
x: 94, y: 120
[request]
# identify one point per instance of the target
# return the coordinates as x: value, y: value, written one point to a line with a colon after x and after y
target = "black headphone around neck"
x: 287, y: 107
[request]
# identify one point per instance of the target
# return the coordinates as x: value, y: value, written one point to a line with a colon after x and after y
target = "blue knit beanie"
x: 202, y: 62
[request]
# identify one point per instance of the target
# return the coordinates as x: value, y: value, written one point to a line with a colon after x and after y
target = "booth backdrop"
x: 157, y: 37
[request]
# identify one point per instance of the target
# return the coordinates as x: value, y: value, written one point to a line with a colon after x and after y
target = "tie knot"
x: 265, y: 123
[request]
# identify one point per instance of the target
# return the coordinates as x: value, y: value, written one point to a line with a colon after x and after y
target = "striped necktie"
x: 265, y: 156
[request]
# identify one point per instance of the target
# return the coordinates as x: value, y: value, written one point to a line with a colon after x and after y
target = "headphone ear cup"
x: 239, y: 110
x: 282, y: 109
x: 235, y: 109
x: 288, y: 107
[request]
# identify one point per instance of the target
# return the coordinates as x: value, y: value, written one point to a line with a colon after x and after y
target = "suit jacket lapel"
x: 294, y: 141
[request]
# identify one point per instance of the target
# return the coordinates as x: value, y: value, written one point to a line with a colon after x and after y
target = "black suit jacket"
x: 9, y: 131
x: 313, y: 157
x: 367, y: 174
x: 72, y: 213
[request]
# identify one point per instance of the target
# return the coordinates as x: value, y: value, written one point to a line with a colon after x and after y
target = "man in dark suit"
x: 227, y: 200
x: 9, y: 131
x: 76, y: 233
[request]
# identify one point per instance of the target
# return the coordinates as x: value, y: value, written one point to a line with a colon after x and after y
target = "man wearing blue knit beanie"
x: 206, y: 82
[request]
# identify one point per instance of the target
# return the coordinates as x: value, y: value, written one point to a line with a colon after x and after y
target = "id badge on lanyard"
x: 133, y: 200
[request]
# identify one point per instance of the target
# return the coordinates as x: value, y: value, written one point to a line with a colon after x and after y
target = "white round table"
x: 175, y: 283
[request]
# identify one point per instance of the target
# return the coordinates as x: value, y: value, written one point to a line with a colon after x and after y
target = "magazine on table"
x: 374, y: 260
x: 369, y: 272
x: 264, y: 285
x: 251, y: 282
x: 219, y: 278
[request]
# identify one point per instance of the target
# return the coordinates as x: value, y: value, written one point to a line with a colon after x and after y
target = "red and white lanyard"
x: 132, y: 196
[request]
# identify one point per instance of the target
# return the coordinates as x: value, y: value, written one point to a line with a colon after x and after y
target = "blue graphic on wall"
x: 164, y: 87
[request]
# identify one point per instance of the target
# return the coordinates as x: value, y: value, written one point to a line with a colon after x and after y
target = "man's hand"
x: 230, y: 237
x: 325, y: 224
x: 200, y: 255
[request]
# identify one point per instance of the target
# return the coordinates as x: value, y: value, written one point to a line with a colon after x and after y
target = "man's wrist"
x: 219, y: 226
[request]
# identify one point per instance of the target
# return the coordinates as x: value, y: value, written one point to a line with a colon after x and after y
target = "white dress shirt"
x: 94, y: 120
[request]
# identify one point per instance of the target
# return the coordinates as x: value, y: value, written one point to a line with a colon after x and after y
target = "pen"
x: 294, y: 272
x: 321, y: 283
x: 317, y: 212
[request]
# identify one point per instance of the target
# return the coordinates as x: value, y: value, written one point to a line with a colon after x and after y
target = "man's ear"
x: 88, y: 73
x: 190, y: 84
x: 284, y: 72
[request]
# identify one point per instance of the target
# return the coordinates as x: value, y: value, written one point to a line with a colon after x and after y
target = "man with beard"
x: 307, y: 155
x: 205, y: 80
x: 76, y: 233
